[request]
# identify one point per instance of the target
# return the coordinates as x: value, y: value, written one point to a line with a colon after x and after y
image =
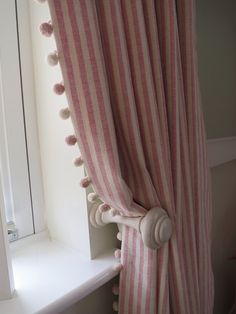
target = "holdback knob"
x: 155, y: 228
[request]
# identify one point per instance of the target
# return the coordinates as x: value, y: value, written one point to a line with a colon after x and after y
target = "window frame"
x: 21, y: 175
x: 6, y: 271
x: 30, y: 111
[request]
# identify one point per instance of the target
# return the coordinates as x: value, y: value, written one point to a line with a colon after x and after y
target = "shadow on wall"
x: 98, y: 302
x: 224, y: 235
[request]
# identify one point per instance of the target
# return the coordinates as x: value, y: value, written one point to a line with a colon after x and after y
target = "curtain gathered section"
x: 130, y: 73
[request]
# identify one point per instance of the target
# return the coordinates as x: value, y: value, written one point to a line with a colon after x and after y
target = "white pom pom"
x: 85, y: 182
x: 119, y: 236
x: 115, y: 306
x: 117, y: 267
x: 115, y: 290
x: 93, y: 197
x: 64, y: 113
x: 103, y: 208
x: 113, y: 212
x: 78, y: 161
x: 117, y: 253
x: 52, y: 58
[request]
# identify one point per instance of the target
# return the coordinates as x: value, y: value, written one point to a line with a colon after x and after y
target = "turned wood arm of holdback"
x: 155, y: 227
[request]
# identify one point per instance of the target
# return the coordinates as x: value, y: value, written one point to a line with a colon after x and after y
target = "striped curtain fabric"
x: 130, y: 73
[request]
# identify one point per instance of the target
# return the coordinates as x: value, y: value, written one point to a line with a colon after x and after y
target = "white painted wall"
x: 65, y: 201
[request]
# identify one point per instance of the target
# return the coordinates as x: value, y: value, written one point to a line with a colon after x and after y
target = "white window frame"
x: 20, y: 170
x: 6, y: 273
x: 20, y: 161
x: 28, y: 89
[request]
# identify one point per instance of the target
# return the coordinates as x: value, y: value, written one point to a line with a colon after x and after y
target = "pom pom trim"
x: 52, y: 58
x: 59, y: 89
x: 117, y: 253
x: 71, y: 140
x: 64, y: 113
x: 103, y: 208
x: 78, y: 161
x: 119, y: 236
x: 115, y: 306
x: 113, y: 212
x: 118, y: 267
x: 93, y: 197
x: 46, y: 29
x: 85, y: 182
x: 115, y: 289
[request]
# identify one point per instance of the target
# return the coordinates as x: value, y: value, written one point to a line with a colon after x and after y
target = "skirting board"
x: 221, y: 150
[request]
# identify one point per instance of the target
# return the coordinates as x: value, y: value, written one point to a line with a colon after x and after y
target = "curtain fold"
x: 130, y: 73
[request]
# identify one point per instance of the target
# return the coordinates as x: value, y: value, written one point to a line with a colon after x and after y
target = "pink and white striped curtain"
x: 130, y: 73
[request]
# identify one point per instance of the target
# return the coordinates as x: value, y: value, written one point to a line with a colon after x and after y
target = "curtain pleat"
x: 130, y: 74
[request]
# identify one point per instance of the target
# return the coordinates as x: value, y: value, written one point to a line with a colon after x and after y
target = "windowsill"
x: 50, y: 277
